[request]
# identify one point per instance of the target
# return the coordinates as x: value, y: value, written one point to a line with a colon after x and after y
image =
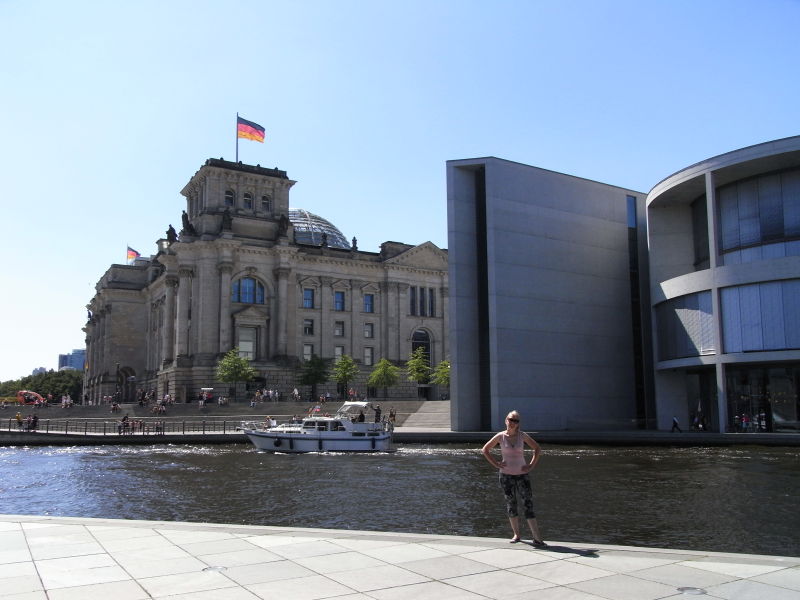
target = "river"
x: 731, y: 499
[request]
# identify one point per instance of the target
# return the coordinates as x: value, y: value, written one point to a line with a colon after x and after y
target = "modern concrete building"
x: 547, y: 299
x: 725, y: 286
x: 279, y: 284
x: 589, y: 306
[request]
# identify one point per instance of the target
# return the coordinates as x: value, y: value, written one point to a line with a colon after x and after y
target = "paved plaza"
x: 62, y: 558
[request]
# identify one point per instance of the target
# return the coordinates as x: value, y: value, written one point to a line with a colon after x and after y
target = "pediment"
x: 253, y: 312
x: 425, y: 256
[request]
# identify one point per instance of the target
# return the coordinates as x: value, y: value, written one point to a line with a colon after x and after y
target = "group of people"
x: 29, y: 423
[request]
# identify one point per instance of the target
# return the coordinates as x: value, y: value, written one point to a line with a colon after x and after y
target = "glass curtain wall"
x: 763, y: 398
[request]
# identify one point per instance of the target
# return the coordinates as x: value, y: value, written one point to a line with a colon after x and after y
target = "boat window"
x: 337, y: 426
x: 321, y: 426
x: 310, y: 425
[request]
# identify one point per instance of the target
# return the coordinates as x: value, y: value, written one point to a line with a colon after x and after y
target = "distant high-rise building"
x: 38, y: 371
x: 73, y: 360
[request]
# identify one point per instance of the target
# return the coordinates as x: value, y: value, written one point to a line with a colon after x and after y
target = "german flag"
x: 249, y: 130
x: 132, y: 254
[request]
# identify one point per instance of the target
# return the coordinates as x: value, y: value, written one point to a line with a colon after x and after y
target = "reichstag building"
x: 278, y: 283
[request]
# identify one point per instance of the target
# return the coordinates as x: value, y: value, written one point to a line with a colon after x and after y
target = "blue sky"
x: 107, y: 109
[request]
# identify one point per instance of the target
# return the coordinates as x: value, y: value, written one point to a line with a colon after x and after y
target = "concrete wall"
x: 557, y: 314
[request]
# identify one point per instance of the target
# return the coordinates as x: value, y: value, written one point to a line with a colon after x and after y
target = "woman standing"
x: 514, y: 473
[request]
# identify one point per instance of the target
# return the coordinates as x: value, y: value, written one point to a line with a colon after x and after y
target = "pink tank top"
x: 513, y: 454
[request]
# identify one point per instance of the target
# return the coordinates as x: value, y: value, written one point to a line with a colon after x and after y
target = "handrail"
x: 133, y: 427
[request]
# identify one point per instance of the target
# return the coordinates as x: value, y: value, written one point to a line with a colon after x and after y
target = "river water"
x: 732, y: 499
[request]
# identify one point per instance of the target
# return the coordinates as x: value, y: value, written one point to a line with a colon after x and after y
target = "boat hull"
x: 269, y: 441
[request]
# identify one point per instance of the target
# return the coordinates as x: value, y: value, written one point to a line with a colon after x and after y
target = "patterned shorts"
x: 514, y: 488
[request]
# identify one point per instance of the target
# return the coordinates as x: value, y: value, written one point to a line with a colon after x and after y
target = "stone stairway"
x: 434, y: 414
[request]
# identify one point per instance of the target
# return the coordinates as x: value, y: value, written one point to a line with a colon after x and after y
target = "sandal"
x: 514, y: 540
x: 539, y: 543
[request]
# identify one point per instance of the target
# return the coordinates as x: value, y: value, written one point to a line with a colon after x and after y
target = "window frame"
x: 339, y: 300
x: 308, y: 326
x: 308, y: 297
x: 369, y: 303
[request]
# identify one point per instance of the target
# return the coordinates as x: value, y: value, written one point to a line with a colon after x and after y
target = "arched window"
x: 266, y: 204
x: 230, y: 198
x: 248, y: 201
x: 248, y: 291
x: 422, y: 339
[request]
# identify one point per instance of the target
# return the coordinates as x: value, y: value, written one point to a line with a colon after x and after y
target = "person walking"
x: 513, y: 474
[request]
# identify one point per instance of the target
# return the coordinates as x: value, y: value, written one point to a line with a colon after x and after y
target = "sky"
x: 107, y: 109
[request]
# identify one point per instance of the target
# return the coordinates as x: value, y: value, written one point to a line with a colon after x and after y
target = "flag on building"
x: 132, y: 254
x: 249, y: 130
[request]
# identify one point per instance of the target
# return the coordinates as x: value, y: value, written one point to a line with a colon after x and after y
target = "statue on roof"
x: 283, y: 225
x: 354, y: 246
x: 172, y: 235
x: 227, y: 220
x: 188, y: 228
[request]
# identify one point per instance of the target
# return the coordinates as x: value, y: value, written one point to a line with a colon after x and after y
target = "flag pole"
x: 237, y: 137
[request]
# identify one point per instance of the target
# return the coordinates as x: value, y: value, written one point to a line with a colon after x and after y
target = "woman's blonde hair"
x: 515, y: 414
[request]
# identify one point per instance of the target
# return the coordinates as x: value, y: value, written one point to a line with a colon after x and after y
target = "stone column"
x: 326, y: 307
x: 444, y: 295
x: 282, y: 274
x: 182, y: 321
x: 207, y: 308
x: 225, y: 340
x: 168, y: 330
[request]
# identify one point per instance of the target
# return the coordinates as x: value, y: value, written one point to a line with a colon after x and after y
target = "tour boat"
x: 349, y: 430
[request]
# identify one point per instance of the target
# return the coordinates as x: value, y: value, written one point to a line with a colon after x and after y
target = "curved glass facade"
x: 761, y: 316
x: 308, y: 229
x: 685, y: 326
x: 759, y: 218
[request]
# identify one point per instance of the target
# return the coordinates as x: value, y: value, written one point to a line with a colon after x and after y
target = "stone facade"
x: 237, y: 277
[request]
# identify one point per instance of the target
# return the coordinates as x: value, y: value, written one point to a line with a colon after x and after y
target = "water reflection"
x: 724, y: 499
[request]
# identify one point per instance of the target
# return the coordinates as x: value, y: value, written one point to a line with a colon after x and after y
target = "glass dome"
x: 308, y: 229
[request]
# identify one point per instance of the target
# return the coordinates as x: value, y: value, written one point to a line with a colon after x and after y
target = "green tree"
x: 52, y: 382
x: 384, y: 375
x: 441, y: 374
x: 233, y: 368
x: 344, y: 371
x: 418, y: 367
x: 315, y: 371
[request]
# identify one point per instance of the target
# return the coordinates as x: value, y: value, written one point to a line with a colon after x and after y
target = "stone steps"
x: 431, y: 415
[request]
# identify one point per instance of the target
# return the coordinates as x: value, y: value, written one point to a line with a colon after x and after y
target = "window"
x: 247, y: 342
x: 338, y: 328
x: 308, y: 326
x: 338, y: 301
x: 266, y: 204
x: 369, y: 330
x: 412, y: 300
x: 230, y: 198
x: 308, y: 351
x: 338, y: 352
x: 369, y: 356
x: 423, y: 305
x: 248, y: 201
x: 369, y: 303
x: 431, y: 303
x: 248, y: 291
x: 308, y: 298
